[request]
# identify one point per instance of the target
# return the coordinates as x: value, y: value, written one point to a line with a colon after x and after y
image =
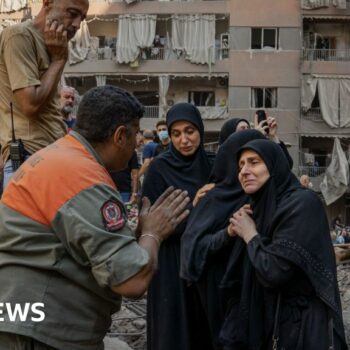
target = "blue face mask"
x: 163, y: 135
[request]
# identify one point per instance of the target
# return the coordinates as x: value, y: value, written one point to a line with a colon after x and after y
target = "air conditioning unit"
x: 222, y: 82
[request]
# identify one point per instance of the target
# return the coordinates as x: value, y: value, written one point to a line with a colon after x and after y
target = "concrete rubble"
x: 129, y: 325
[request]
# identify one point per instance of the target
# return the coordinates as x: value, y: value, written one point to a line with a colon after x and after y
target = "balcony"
x: 208, y: 112
x: 313, y: 114
x: 312, y: 171
x: 151, y: 112
x: 158, y: 53
x: 334, y: 55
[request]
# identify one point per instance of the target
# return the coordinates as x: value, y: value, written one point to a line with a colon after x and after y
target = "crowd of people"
x: 233, y: 250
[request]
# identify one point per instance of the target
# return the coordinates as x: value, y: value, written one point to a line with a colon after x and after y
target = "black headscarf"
x: 294, y: 220
x: 229, y: 128
x: 171, y: 168
x: 213, y: 212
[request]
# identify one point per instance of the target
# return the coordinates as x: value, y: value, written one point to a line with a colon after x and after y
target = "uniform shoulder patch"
x: 112, y: 214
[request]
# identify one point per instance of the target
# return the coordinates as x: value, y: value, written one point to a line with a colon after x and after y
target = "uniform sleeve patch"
x: 112, y: 214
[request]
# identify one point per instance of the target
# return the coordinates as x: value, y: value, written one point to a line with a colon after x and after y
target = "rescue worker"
x: 67, y: 255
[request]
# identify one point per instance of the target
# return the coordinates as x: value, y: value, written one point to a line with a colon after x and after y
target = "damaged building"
x: 229, y: 58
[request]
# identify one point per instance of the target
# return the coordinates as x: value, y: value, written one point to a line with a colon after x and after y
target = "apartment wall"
x: 267, y: 68
x: 100, y: 28
x: 265, y: 13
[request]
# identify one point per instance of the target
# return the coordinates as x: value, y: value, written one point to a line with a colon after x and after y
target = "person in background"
x: 340, y: 238
x: 163, y: 134
x: 231, y: 126
x: 149, y: 147
x: 139, y: 147
x: 67, y: 100
x: 337, y: 222
x: 33, y: 55
x: 333, y: 237
x: 127, y: 180
x: 345, y: 235
x: 305, y: 181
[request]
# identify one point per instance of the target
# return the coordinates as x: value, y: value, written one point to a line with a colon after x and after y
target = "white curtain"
x: 328, y: 93
x: 308, y: 92
x: 344, y: 103
x: 195, y: 34
x: 164, y: 82
x: 101, y: 80
x: 79, y: 46
x: 333, y: 96
x: 12, y: 5
x: 336, y: 180
x: 134, y: 32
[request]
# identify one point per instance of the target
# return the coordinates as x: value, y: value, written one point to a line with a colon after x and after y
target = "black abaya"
x: 292, y: 256
x: 174, y: 316
x: 205, y: 244
x: 229, y: 128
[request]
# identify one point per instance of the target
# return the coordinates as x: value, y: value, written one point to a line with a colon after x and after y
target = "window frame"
x: 201, y: 91
x: 264, y: 97
x: 277, y: 38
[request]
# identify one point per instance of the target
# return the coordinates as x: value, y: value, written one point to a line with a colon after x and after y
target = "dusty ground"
x: 128, y: 331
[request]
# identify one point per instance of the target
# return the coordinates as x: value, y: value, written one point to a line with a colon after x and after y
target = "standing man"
x: 32, y: 58
x: 67, y: 99
x: 149, y: 147
x: 127, y: 180
x: 67, y: 254
x: 163, y: 134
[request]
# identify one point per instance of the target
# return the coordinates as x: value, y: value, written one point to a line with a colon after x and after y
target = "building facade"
x: 230, y: 58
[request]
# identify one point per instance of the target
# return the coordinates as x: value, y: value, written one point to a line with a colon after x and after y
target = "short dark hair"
x: 161, y: 122
x: 103, y: 109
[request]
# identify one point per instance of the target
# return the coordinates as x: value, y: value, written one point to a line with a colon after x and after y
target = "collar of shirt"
x: 88, y: 146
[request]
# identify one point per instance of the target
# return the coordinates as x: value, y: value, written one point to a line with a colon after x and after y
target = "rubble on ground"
x: 129, y: 324
x: 344, y: 288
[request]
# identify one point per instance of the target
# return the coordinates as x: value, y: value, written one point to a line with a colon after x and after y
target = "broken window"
x: 264, y: 98
x: 264, y: 38
x: 201, y: 98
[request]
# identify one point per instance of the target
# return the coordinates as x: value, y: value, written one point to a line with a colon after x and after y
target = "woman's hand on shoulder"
x: 202, y: 192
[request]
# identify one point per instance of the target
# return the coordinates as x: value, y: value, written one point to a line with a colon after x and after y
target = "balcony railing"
x: 312, y: 171
x: 313, y: 114
x: 151, y: 112
x: 154, y: 53
x: 326, y: 55
x: 207, y: 112
x: 306, y: 3
x: 158, y: 53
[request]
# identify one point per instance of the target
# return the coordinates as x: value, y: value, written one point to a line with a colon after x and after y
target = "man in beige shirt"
x: 32, y: 58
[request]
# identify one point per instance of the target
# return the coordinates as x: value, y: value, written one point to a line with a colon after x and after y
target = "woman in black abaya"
x: 172, y: 306
x: 289, y: 295
x: 205, y: 244
x: 231, y: 126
